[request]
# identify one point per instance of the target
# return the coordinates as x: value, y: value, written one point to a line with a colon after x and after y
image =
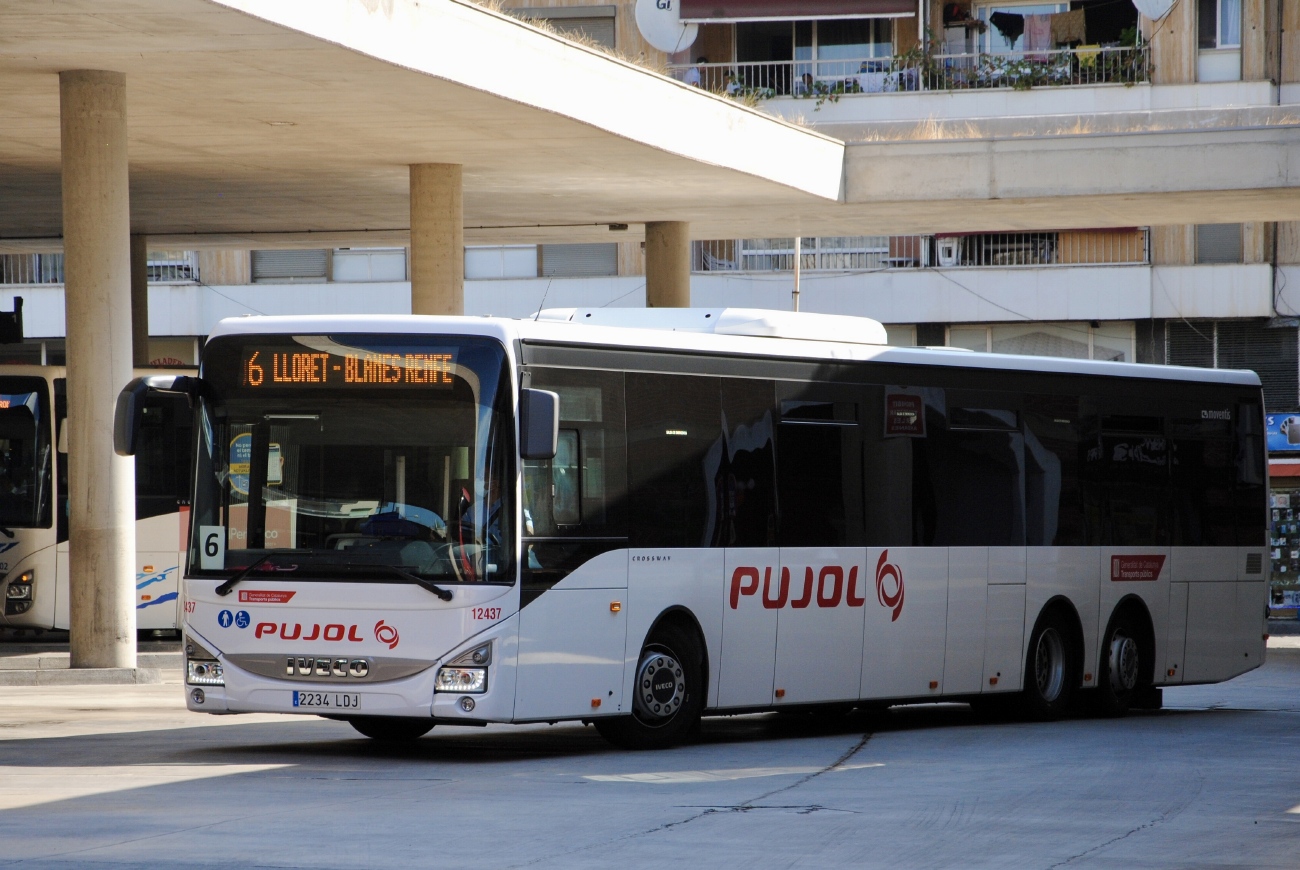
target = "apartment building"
x: 1205, y: 293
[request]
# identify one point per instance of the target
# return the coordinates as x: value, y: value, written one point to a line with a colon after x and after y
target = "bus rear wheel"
x: 391, y: 729
x: 1052, y: 670
x: 1121, y: 680
x: 667, y: 695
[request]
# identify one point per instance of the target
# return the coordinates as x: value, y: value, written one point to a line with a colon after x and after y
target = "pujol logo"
x: 829, y: 583
x: 386, y: 634
x: 889, y: 585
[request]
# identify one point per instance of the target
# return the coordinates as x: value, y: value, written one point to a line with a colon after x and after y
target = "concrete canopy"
x: 257, y: 124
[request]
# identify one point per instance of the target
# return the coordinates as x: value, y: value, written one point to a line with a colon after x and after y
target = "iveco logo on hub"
x: 324, y: 666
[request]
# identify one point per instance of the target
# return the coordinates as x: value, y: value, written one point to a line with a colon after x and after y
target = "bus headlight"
x: 462, y: 680
x: 201, y: 666
x: 20, y: 593
x: 466, y: 673
x: 204, y: 673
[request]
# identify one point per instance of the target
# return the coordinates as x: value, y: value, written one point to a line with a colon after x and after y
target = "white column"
x: 97, y: 280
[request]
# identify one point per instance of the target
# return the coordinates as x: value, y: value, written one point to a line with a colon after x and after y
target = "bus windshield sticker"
x: 212, y: 548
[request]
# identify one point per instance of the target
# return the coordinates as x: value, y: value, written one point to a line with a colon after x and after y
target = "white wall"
x: 1036, y: 102
x: 1212, y: 291
x: 958, y: 295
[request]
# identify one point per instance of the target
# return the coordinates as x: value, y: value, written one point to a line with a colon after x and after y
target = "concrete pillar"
x: 97, y: 281
x: 437, y: 240
x: 140, y: 301
x: 668, y: 264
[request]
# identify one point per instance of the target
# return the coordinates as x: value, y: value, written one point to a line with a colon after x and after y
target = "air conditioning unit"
x: 948, y: 251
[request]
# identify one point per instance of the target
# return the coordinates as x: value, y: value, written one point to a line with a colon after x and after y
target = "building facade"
x: 1205, y: 293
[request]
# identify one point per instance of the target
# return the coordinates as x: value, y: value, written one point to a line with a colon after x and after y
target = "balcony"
x: 830, y: 80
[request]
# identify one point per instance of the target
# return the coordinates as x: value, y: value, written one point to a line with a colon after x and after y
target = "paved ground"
x: 123, y: 776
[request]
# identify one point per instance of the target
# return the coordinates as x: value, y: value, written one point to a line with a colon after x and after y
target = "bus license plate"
x: 332, y: 700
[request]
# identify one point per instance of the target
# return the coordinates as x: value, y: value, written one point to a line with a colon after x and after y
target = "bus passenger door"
x: 749, y: 614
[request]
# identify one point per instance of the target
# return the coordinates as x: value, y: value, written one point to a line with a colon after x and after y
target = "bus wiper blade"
x: 444, y: 594
x: 224, y: 588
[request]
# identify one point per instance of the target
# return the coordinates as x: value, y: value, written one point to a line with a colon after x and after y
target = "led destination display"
x: 263, y: 368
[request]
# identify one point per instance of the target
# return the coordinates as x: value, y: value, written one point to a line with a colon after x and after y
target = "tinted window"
x: 748, y: 472
x: 1053, y: 505
x: 1201, y: 465
x: 675, y: 449
x: 1251, y: 496
x: 162, y: 458
x: 967, y: 482
x: 1125, y: 480
x: 819, y: 461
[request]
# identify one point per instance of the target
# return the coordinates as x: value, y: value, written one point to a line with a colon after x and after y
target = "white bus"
x: 34, y: 498
x: 405, y: 522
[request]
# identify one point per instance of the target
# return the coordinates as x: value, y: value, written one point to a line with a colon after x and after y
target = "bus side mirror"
x: 539, y: 424
x: 129, y: 414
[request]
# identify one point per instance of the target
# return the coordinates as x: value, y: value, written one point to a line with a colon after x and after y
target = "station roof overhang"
x: 293, y: 123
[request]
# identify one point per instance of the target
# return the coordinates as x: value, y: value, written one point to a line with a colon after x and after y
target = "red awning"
x: 789, y: 10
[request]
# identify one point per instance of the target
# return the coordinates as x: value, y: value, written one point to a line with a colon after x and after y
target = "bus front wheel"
x: 391, y: 729
x: 667, y: 696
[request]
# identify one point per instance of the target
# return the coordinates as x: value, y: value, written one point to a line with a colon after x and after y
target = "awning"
x: 791, y: 10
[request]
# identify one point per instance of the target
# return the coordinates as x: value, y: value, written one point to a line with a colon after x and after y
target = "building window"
x: 594, y: 24
x: 1272, y: 352
x: 290, y: 267
x: 1219, y: 23
x: 1113, y: 342
x: 579, y: 261
x: 1218, y: 243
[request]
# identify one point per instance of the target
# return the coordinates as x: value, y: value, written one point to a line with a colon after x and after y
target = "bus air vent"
x: 1254, y: 563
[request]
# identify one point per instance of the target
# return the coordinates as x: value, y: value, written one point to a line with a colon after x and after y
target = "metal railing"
x: 165, y: 267
x: 918, y: 71
x: 1121, y: 247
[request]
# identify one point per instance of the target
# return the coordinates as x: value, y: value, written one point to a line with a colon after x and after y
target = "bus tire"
x: 1052, y: 669
x: 391, y: 729
x: 1120, y: 679
x: 668, y: 693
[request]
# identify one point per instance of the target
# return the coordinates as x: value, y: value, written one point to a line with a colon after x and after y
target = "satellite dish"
x: 660, y: 22
x: 1154, y: 9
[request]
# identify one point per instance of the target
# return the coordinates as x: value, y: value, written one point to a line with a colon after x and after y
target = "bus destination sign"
x: 264, y: 368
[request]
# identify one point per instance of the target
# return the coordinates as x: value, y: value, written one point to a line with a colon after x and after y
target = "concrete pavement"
x: 123, y: 776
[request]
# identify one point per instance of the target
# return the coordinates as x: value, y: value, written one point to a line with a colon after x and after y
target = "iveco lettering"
x: 638, y: 518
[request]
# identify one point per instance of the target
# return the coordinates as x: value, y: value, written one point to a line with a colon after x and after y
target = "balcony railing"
x: 1119, y: 247
x: 165, y: 267
x: 831, y: 79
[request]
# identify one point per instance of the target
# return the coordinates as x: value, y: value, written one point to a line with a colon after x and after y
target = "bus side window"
x: 746, y: 478
x: 819, y: 467
x: 61, y: 462
x: 581, y: 491
x: 1053, y: 501
x: 162, y: 460
x: 674, y: 442
x: 1250, y: 494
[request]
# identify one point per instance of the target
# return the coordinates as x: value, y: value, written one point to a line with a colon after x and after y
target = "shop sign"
x: 1282, y: 431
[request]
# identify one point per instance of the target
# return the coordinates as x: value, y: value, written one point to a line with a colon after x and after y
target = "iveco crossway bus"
x: 638, y: 518
x: 34, y: 497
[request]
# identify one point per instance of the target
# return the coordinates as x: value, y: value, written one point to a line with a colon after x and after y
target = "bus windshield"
x: 24, y: 452
x: 351, y: 455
